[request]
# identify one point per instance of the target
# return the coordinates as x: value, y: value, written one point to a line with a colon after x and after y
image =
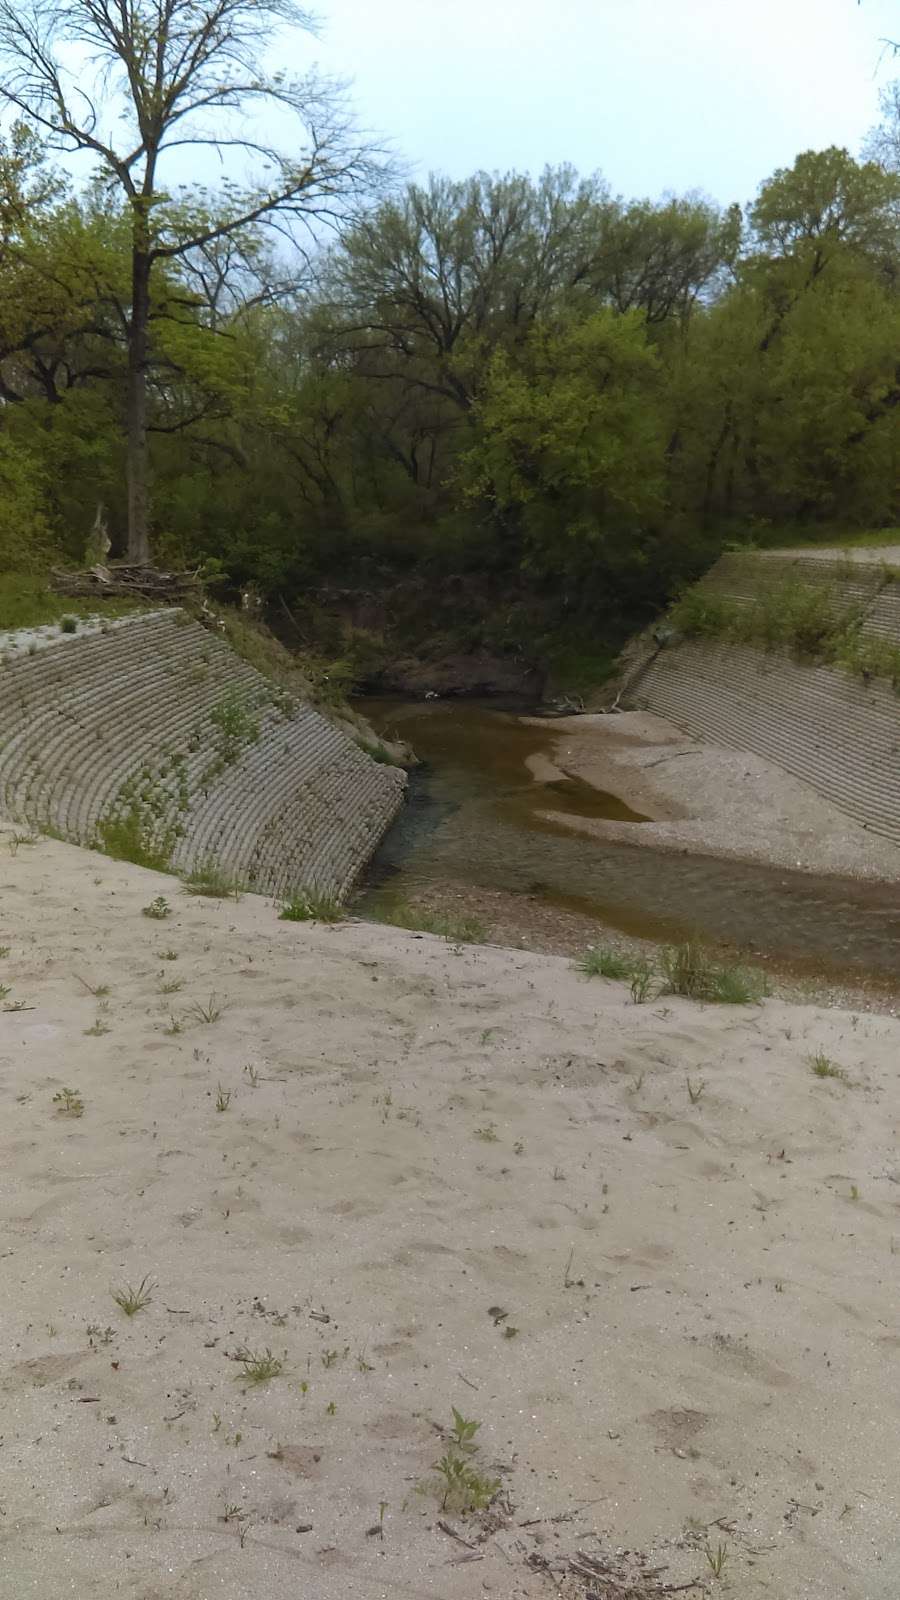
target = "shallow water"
x: 473, y: 819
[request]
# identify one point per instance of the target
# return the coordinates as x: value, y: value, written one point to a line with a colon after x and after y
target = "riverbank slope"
x: 647, y: 1247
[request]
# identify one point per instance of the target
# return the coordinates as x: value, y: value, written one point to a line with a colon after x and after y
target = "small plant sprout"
x: 173, y: 1026
x: 168, y: 955
x: 208, y: 1013
x: 331, y: 1409
x: 695, y: 1090
x: 97, y: 1031
x: 823, y: 1067
x: 259, y: 1366
x: 463, y: 1487
x: 158, y: 909
x: 170, y: 985
x: 463, y: 1431
x: 223, y: 1099
x: 488, y: 1134
x: 132, y: 1299
x: 252, y: 1075
x: 69, y: 1103
x: 717, y: 1558
x: 4, y: 951
x: 854, y: 1191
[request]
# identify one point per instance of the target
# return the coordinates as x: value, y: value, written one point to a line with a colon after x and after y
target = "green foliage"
x: 127, y: 836
x: 457, y: 930
x: 208, y: 878
x: 600, y: 962
x: 310, y: 905
x: 687, y: 969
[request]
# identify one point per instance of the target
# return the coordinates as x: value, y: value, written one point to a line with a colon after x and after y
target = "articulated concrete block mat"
x: 151, y: 735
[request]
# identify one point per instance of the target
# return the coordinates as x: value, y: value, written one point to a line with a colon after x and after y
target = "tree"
x: 179, y: 71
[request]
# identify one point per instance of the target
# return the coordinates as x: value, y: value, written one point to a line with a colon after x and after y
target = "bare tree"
x: 126, y: 82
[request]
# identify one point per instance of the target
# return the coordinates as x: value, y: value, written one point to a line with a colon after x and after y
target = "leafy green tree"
x: 179, y: 73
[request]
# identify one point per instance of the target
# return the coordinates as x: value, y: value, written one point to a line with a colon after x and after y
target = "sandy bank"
x: 421, y: 1150
x: 712, y: 801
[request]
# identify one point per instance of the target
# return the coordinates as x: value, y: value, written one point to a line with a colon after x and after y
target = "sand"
x: 424, y: 1148
x: 709, y: 800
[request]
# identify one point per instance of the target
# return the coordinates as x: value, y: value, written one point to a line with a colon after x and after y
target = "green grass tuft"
x: 310, y: 905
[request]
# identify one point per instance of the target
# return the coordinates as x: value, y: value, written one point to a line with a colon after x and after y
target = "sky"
x: 659, y: 95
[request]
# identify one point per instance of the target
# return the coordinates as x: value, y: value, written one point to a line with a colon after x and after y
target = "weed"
x: 252, y: 1075
x: 695, y: 1092
x: 132, y: 1299
x: 260, y: 1366
x: 207, y: 878
x: 98, y: 990
x: 171, y: 985
x: 854, y: 1191
x: 131, y: 836
x: 97, y: 1031
x: 223, y: 1099
x: 310, y: 905
x: 331, y: 1409
x: 209, y: 1013
x: 568, y: 1281
x: 158, y: 909
x: 599, y: 961
x: 69, y: 625
x: 717, y: 1558
x: 688, y: 970
x: 168, y: 955
x: 5, y: 989
x: 464, y: 1488
x: 329, y: 1357
x: 173, y: 1026
x: 641, y: 982
x: 4, y: 951
x: 69, y: 1102
x: 824, y: 1067
x: 458, y: 930
x: 509, y: 1332
x: 488, y: 1133
x: 98, y: 1335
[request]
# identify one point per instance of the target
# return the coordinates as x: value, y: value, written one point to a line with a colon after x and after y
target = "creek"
x: 474, y: 823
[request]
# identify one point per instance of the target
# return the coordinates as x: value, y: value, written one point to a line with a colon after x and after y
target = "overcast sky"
x: 657, y: 94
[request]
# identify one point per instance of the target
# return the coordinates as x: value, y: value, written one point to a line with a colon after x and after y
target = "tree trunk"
x: 136, y: 421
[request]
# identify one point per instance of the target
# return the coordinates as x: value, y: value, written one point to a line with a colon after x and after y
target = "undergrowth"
x: 812, y: 621
x: 683, y: 969
x: 458, y: 930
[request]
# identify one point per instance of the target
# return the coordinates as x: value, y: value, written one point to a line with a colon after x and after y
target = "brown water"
x: 473, y: 819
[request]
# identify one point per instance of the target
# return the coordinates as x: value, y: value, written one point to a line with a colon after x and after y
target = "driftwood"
x: 121, y: 580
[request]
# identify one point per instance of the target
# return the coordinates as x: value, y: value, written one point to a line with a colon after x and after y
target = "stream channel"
x: 473, y: 823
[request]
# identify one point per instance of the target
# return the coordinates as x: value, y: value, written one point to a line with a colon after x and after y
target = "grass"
x: 133, y: 1298
x: 26, y: 601
x: 822, y: 1066
x: 686, y: 969
x: 208, y: 878
x: 209, y: 1013
x: 310, y: 905
x: 599, y: 961
x: 259, y: 1366
x: 223, y: 1099
x: 458, y: 930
